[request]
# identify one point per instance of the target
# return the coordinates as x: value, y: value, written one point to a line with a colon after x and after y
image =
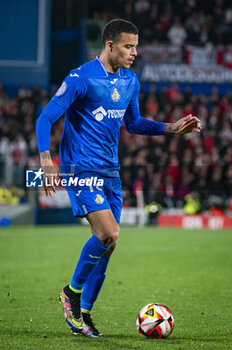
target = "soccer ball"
x: 155, y: 321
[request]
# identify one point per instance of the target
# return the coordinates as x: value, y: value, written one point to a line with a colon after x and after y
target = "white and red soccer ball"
x: 155, y: 321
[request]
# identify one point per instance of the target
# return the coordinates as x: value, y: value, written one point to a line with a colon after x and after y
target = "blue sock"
x: 90, y: 255
x: 93, y: 284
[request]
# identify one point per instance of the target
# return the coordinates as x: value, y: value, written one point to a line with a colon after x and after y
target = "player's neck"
x: 109, y: 67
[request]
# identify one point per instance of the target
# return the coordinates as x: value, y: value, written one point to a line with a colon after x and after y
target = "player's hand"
x: 187, y: 124
x: 50, y: 173
x: 183, y: 126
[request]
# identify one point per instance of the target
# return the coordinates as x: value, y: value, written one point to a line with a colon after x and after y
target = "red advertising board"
x: 195, y: 221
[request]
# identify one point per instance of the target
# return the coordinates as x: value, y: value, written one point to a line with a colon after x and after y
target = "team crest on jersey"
x: 62, y: 89
x: 115, y: 95
x: 99, y: 199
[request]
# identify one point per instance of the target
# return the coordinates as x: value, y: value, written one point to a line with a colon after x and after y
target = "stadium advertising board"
x: 204, y: 57
x: 182, y: 73
x: 188, y: 64
x: 160, y: 53
x: 195, y: 221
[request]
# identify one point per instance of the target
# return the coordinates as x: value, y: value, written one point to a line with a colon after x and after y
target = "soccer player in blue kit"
x: 96, y: 97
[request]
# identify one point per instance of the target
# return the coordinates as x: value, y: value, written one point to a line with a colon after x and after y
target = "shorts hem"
x: 89, y: 211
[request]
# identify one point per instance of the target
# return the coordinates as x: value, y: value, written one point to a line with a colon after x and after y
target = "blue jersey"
x: 95, y: 103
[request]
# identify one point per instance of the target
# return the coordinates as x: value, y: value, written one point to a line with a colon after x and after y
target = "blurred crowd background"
x: 170, y: 170
x: 175, y: 21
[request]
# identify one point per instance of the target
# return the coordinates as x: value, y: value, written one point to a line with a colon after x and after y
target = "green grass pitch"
x: 187, y: 270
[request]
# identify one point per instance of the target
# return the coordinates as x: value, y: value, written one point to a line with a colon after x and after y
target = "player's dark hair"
x: 113, y: 29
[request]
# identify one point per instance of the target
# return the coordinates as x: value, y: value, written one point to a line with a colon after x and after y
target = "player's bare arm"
x: 50, y: 172
x: 183, y: 126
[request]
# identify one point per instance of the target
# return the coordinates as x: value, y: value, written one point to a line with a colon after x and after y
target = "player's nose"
x: 134, y: 51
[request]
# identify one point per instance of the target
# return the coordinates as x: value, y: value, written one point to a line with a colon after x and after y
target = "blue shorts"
x: 86, y: 199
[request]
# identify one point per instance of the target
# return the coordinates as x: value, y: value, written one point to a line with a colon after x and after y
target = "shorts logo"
x: 99, y: 199
x: 115, y: 95
x: 99, y: 113
x: 62, y: 89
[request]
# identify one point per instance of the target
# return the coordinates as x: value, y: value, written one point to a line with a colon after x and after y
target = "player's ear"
x: 109, y: 45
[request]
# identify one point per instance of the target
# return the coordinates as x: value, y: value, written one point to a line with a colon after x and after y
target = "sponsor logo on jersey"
x: 116, y: 113
x: 115, y: 95
x: 99, y: 199
x: 62, y: 89
x: 74, y: 75
x: 100, y: 113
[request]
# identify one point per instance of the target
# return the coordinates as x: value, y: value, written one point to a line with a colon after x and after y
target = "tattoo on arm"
x: 169, y: 128
x: 45, y: 155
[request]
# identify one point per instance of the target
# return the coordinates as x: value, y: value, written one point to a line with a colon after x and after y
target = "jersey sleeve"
x: 50, y: 114
x: 134, y: 123
x: 72, y: 88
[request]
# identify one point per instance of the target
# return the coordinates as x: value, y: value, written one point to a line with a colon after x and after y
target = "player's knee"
x: 111, y: 236
x: 108, y: 236
x: 115, y: 234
